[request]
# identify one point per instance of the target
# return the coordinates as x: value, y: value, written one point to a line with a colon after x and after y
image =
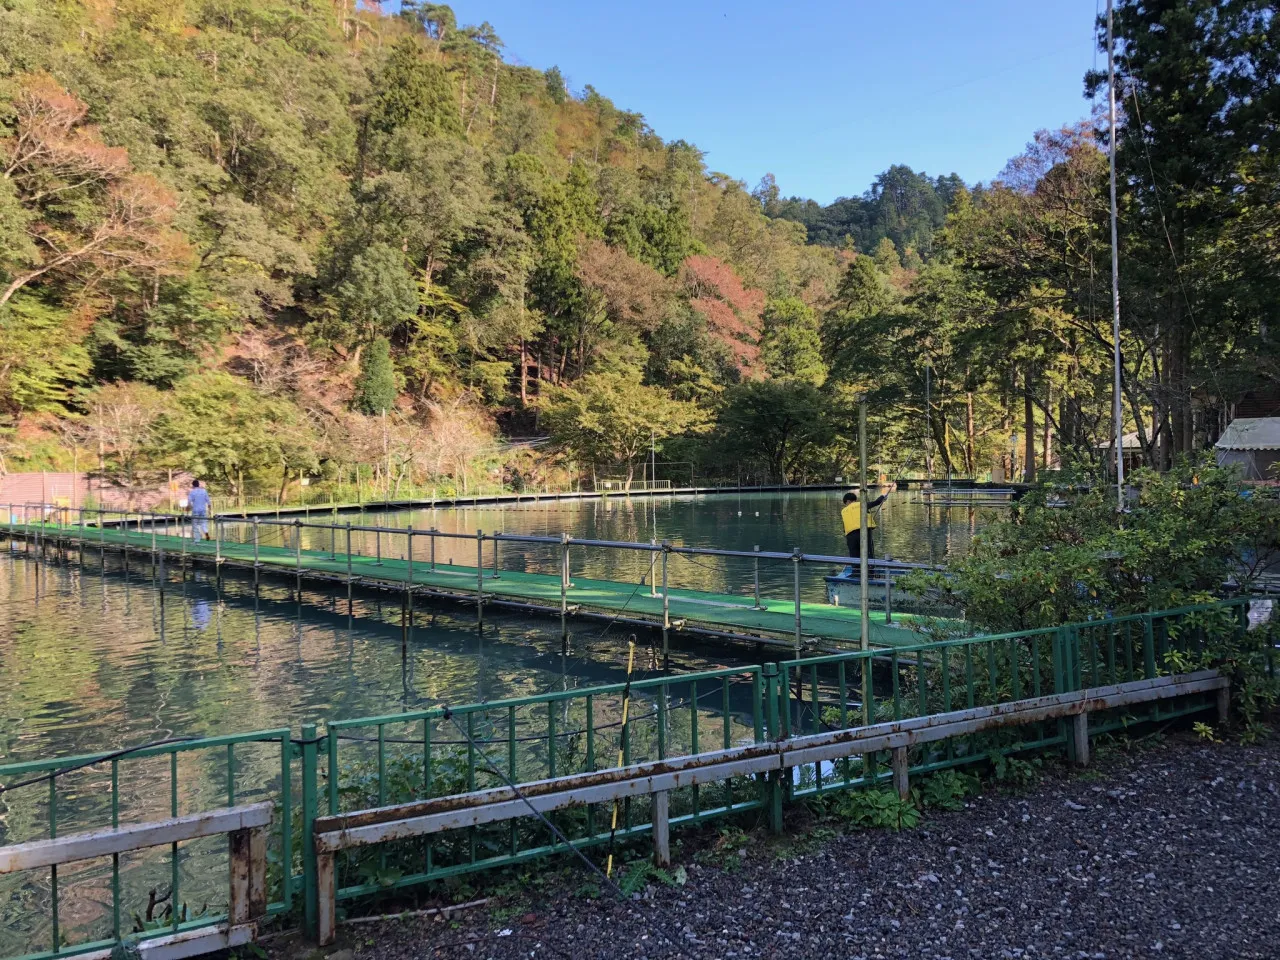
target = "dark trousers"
x: 853, y: 540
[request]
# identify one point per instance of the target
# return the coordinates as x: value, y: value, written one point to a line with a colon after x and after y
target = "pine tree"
x: 376, y: 387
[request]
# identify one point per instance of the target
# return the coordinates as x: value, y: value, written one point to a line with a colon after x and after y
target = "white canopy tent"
x: 1253, y: 444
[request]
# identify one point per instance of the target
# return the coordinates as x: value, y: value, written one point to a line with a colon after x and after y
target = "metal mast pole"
x: 862, y: 556
x: 1115, y: 264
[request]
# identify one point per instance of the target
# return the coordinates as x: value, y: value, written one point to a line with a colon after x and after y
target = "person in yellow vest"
x: 852, y: 517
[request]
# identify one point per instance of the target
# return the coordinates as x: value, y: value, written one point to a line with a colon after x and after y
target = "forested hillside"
x: 264, y: 240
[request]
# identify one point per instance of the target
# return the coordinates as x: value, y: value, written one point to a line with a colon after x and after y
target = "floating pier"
x: 417, y: 571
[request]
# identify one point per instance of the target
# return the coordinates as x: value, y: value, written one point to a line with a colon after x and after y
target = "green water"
x: 94, y: 656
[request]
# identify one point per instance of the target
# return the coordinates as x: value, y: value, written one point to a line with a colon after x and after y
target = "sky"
x: 823, y: 95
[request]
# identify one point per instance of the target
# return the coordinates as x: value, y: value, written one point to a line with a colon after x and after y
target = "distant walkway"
x: 1172, y: 851
x: 536, y: 496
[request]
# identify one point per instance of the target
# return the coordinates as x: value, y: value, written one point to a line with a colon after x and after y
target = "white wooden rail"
x: 422, y: 818
x: 246, y: 827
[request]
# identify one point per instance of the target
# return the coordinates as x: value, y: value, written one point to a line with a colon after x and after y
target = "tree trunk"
x: 524, y: 375
x: 970, y: 444
x: 1047, y: 452
x: 1029, y: 430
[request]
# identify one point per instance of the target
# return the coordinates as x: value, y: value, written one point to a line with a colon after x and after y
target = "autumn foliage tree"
x: 731, y: 310
x: 77, y: 208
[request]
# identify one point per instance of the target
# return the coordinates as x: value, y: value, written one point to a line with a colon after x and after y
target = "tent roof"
x: 1251, y: 433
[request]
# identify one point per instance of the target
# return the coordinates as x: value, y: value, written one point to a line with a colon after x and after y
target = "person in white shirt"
x: 198, y: 504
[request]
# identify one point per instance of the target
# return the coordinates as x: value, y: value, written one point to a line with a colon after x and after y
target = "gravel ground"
x: 1169, y: 851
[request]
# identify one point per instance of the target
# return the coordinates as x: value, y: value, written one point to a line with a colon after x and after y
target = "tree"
x: 1076, y: 560
x: 71, y: 204
x: 416, y: 94
x: 790, y: 346
x: 221, y: 427
x: 556, y: 88
x: 732, y: 311
x: 119, y: 423
x: 377, y: 296
x: 376, y: 389
x: 610, y: 418
x: 41, y: 358
x: 777, y: 422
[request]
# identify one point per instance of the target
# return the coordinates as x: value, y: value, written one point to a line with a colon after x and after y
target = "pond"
x: 95, y: 656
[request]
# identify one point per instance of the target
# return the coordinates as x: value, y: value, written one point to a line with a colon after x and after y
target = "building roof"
x: 1251, y: 433
x: 1128, y: 441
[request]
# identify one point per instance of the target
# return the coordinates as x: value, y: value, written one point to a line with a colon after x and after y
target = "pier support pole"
x: 564, y: 587
x: 480, y: 577
x: 863, y: 565
x: 796, y: 557
x: 666, y: 605
x: 756, y: 576
x: 255, y: 553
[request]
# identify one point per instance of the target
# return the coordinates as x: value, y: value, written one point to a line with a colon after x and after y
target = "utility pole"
x: 1115, y: 262
x: 863, y: 565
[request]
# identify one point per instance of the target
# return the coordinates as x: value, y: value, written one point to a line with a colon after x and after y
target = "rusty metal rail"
x: 772, y: 760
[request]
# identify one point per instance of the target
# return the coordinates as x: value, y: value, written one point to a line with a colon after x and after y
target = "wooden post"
x: 901, y: 780
x: 661, y: 829
x: 1224, y: 705
x: 248, y: 875
x: 326, y: 892
x: 1080, y: 739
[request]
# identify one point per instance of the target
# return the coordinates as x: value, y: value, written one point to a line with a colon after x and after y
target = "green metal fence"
x: 52, y: 798
x: 436, y: 753
x: 369, y: 762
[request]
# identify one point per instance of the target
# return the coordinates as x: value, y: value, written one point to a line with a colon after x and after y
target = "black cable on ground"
x: 556, y: 831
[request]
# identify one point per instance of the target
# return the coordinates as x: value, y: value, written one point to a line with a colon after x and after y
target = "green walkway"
x: 717, y: 612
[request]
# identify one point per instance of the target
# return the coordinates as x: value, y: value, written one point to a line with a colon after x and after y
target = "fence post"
x: 348, y: 559
x: 297, y: 530
x: 255, y: 550
x: 888, y: 592
x: 653, y: 562
x: 661, y: 829
x: 1148, y: 646
x: 773, y: 782
x: 310, y: 801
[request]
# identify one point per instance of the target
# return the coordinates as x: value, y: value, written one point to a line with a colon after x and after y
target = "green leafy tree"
x: 416, y: 93
x: 790, y: 345
x: 1076, y: 560
x: 377, y: 296
x: 222, y: 428
x: 610, y: 418
x: 41, y: 358
x: 779, y: 424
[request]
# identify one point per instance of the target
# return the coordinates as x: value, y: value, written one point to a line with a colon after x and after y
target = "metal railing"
x: 357, y: 764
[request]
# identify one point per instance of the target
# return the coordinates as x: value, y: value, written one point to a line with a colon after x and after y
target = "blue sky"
x: 824, y: 95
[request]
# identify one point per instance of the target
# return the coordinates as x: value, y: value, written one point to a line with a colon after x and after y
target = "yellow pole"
x: 626, y: 706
